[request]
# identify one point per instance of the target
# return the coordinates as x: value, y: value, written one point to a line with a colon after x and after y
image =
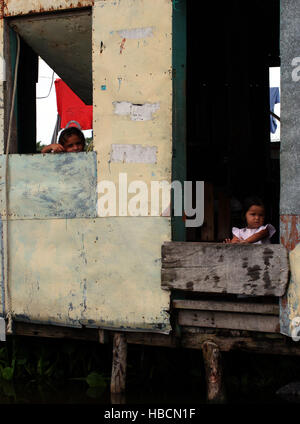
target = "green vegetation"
x: 43, y: 362
x: 89, y: 144
x: 39, y: 146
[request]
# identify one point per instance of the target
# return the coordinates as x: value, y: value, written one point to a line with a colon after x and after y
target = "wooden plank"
x: 234, y: 320
x: 207, y: 229
x: 279, y: 346
x: 209, y: 305
x: 191, y: 338
x: 223, y: 217
x: 55, y: 332
x: 152, y: 339
x: 260, y: 270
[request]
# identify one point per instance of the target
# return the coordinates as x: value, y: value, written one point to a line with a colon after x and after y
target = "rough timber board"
x: 227, y: 320
x: 101, y: 272
x: 209, y: 305
x: 191, y: 338
x: 260, y: 270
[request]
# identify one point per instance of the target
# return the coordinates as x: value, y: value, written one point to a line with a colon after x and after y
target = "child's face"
x: 255, y: 216
x: 73, y: 144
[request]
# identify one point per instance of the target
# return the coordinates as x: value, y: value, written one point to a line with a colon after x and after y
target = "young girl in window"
x: 255, y: 231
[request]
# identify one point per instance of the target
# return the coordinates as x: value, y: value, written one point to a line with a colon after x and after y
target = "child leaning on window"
x: 255, y: 231
x: 71, y: 140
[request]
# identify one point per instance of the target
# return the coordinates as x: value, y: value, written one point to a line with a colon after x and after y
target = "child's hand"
x: 53, y: 148
x: 227, y: 240
x: 236, y: 240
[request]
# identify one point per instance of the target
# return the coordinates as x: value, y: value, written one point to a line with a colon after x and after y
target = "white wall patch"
x: 137, y: 112
x: 136, y: 33
x: 133, y: 153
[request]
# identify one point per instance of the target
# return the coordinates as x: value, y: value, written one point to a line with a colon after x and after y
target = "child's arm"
x: 257, y: 236
x: 57, y: 148
x: 233, y: 240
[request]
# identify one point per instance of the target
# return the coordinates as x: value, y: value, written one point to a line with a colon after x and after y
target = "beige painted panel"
x: 23, y: 7
x: 132, y: 60
x: 96, y: 272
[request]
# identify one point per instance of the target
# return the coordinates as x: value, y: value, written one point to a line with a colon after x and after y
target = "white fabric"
x: 244, y: 233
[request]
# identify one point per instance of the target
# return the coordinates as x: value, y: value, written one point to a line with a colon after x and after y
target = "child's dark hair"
x: 66, y: 133
x: 248, y: 202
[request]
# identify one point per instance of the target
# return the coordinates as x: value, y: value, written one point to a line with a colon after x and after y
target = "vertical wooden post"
x: 207, y: 230
x: 214, y: 373
x: 118, y: 375
x: 223, y: 217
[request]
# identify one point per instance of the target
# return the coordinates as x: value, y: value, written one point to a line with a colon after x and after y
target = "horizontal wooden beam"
x: 258, y: 270
x: 266, y: 345
x: 191, y: 338
x: 244, y: 307
x: 229, y: 320
x: 55, y: 332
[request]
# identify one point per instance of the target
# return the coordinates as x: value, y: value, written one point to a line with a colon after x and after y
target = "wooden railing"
x: 225, y: 286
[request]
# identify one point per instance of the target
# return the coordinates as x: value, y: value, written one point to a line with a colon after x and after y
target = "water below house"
x: 39, y: 371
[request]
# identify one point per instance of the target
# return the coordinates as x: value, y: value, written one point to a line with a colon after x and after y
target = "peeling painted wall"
x: 132, y: 79
x: 101, y: 272
x: 24, y: 7
x: 133, y: 153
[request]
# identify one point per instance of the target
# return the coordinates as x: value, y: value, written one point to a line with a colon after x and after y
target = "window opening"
x: 274, y: 83
x: 51, y: 92
x: 62, y: 43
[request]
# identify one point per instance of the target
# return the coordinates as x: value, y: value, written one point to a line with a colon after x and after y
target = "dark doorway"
x: 230, y: 48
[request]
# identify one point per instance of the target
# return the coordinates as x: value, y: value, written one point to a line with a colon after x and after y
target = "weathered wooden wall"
x: 290, y: 155
x: 225, y: 268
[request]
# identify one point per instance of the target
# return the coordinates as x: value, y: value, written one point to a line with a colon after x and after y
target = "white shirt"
x: 244, y: 233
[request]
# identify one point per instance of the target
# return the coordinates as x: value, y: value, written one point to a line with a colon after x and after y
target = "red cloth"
x: 71, y: 108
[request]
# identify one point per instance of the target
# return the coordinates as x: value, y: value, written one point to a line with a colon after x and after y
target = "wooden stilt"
x: 118, y: 375
x: 118, y: 398
x: 214, y: 373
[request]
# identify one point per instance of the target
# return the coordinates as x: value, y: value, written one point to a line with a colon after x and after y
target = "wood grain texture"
x: 207, y: 229
x: 260, y: 270
x: 213, y: 372
x: 223, y: 217
x: 209, y: 305
x: 118, y: 375
x: 231, y: 320
x: 191, y: 338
